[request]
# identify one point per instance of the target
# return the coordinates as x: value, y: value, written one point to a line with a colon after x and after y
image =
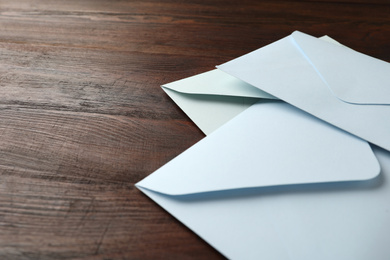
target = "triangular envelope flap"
x: 351, y: 76
x: 209, y: 112
x: 216, y: 82
x: 269, y: 144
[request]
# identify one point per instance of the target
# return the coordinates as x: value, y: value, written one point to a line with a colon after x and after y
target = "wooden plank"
x: 67, y: 184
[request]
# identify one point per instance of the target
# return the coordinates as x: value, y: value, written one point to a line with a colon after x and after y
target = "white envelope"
x: 277, y: 183
x: 341, y: 86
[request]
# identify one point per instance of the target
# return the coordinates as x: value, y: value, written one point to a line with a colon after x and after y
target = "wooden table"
x: 83, y: 117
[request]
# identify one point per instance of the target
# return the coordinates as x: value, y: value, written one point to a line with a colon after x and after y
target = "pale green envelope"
x: 212, y: 98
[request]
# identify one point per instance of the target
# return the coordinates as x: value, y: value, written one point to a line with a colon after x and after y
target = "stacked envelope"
x: 296, y: 162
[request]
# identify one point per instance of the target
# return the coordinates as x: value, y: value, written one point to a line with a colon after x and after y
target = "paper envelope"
x: 212, y: 98
x: 274, y: 182
x: 339, y: 85
x: 277, y: 183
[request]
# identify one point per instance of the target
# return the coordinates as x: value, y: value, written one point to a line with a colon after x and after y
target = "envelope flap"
x: 351, y: 76
x: 216, y: 82
x: 268, y: 144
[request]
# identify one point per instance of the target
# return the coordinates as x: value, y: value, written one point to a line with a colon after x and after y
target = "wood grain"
x: 83, y: 118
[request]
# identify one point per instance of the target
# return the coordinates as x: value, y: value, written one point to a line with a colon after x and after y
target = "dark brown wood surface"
x: 83, y: 118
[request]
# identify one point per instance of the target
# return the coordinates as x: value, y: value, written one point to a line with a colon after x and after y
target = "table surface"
x: 83, y: 117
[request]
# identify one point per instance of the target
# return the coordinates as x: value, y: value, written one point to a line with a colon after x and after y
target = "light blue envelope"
x: 339, y: 85
x: 277, y: 183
